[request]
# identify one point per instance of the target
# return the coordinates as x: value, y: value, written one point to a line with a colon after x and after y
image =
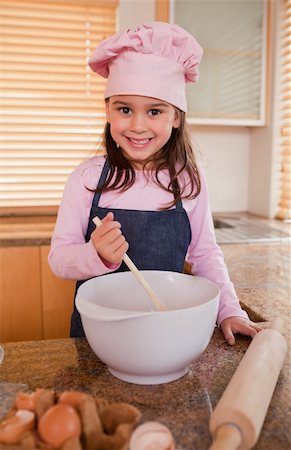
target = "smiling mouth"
x: 139, y: 141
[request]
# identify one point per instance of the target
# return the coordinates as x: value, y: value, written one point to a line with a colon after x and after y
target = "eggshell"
x: 15, y: 426
x: 58, y: 424
x: 24, y: 401
x: 72, y: 398
x: 152, y: 436
x: 38, y: 401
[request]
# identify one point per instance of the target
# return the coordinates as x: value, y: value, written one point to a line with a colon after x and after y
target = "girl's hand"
x: 233, y: 325
x: 108, y: 241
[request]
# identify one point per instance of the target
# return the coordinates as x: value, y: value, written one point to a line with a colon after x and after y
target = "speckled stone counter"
x: 26, y: 231
x: 184, y: 405
x: 261, y: 276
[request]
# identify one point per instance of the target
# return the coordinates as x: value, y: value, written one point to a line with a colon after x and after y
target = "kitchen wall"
x: 224, y: 154
x: 240, y: 164
x: 132, y: 12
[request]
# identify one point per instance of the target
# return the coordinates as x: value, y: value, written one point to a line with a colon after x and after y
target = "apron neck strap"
x: 102, y: 180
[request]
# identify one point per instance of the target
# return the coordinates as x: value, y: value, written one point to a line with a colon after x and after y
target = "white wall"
x: 238, y: 161
x: 134, y: 12
x: 224, y: 154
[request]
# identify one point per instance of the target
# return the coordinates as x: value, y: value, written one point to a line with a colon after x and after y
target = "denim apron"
x: 158, y: 240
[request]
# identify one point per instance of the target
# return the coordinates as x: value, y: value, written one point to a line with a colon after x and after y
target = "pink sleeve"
x: 206, y: 257
x: 70, y: 256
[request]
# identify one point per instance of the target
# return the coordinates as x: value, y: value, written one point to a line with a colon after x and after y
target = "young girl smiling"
x: 148, y: 190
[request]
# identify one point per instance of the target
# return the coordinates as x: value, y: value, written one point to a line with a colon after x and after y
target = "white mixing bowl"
x: 140, y: 345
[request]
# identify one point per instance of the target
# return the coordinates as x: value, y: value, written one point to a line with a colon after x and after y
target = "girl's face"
x: 141, y: 126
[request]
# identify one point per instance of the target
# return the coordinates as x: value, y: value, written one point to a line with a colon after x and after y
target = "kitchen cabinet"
x: 57, y: 300
x: 232, y: 86
x: 34, y: 304
x: 20, y: 294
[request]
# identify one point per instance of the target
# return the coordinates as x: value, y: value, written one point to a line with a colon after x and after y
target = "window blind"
x: 52, y: 107
x: 284, y: 208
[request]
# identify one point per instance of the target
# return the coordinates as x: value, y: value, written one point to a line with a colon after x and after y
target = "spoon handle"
x: 132, y: 267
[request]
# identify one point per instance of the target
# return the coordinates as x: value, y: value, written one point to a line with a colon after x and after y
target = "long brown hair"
x: 176, y: 156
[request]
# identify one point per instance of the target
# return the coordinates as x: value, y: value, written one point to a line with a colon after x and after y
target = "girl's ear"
x: 107, y: 111
x: 177, y: 120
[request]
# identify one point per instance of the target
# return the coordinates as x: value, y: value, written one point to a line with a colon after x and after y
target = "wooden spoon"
x: 132, y: 267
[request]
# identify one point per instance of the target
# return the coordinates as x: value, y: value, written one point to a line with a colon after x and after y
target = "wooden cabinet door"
x: 57, y: 300
x: 20, y: 294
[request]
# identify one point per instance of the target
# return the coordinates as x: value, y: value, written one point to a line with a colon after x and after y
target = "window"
x: 284, y: 208
x: 52, y: 108
x: 232, y: 84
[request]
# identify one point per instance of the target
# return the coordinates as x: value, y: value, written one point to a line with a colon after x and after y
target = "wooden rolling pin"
x: 238, y: 417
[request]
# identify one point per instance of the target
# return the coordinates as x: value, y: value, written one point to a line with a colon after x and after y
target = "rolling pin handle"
x: 228, y: 437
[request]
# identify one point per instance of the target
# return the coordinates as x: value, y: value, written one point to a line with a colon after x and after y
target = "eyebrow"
x: 151, y: 105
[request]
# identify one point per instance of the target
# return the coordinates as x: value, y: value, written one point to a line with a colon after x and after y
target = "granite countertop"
x: 38, y: 229
x: 261, y: 276
x: 26, y: 230
x: 184, y: 405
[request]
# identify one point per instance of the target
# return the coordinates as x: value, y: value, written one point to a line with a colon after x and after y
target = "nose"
x: 138, y: 123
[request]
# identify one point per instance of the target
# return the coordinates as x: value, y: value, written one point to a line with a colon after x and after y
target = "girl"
x: 148, y: 189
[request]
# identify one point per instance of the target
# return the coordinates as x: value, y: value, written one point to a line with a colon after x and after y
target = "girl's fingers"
x: 109, y: 241
x: 248, y: 329
x: 115, y: 244
x: 234, y: 325
x: 251, y: 331
x: 256, y: 327
x: 107, y: 226
x: 120, y: 251
x: 228, y: 335
x: 109, y: 216
x: 110, y: 236
x: 114, y: 254
x: 108, y: 231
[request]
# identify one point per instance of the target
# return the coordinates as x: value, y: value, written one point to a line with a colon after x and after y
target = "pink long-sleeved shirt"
x: 71, y: 257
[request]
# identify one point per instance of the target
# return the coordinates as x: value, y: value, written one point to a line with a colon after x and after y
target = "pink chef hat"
x: 154, y: 59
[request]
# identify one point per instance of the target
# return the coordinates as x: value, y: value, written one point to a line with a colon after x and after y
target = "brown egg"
x: 152, y: 436
x: 58, y: 424
x: 12, y: 429
x: 72, y: 398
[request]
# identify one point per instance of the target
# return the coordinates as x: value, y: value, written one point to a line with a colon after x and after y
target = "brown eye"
x: 124, y: 110
x: 155, y: 112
